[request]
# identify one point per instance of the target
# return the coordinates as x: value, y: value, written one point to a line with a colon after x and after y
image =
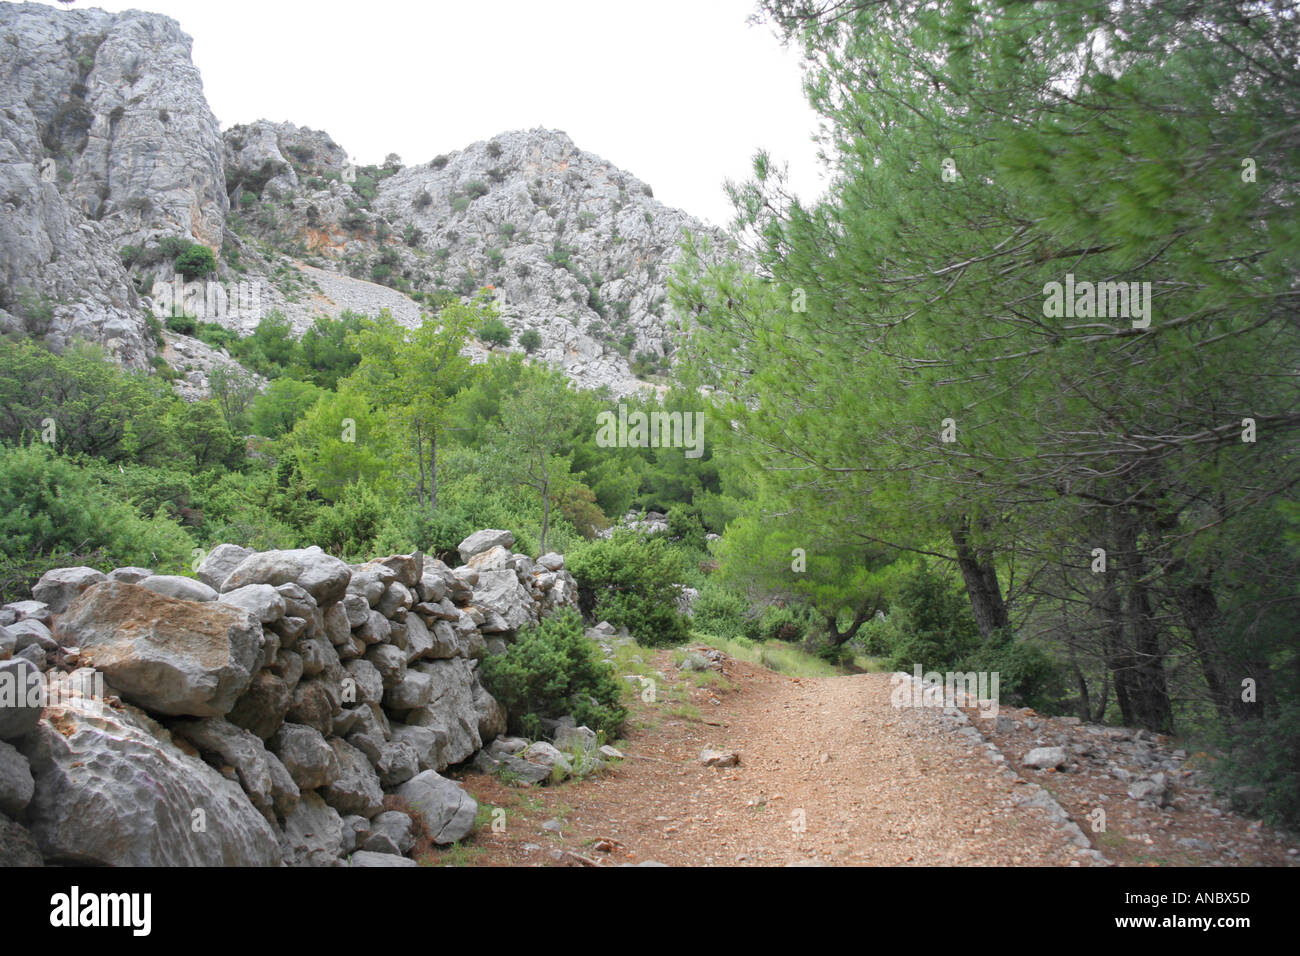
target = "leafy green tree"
x: 535, y: 426
x: 233, y: 392
x: 494, y: 332
x: 277, y: 410
x: 412, y: 374
x: 530, y: 340
x: 342, y: 441
x: 325, y: 354
x: 988, y: 426
x: 84, y: 403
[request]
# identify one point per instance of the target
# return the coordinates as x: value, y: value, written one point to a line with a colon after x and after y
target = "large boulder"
x: 356, y: 789
x: 17, y: 848
x: 493, y: 559
x: 260, y: 600
x: 219, y: 562
x: 166, y: 655
x: 110, y: 792
x: 264, y: 706
x: 501, y: 593
x: 322, y: 576
x: 15, y: 781
x: 427, y: 743
x: 181, y: 588
x: 60, y: 587
x: 22, y: 695
x: 491, y: 715
x: 302, y: 750
x: 313, y: 833
x: 481, y: 541
x: 409, y: 568
x: 415, y: 690
x: 265, y: 779
x: 450, y: 708
x: 447, y: 811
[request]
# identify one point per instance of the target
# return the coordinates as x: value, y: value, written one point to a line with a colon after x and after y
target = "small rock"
x: 719, y: 758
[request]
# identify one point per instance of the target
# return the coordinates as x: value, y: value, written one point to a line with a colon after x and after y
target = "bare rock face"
x: 110, y: 792
x: 105, y: 141
x: 166, y: 655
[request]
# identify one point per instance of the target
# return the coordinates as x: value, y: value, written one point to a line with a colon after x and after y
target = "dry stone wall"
x: 281, y: 708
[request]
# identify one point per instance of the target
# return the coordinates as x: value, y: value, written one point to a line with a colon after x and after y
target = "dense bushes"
x: 551, y: 670
x: 634, y: 583
x: 931, y: 625
x: 55, y: 513
x: 723, y: 613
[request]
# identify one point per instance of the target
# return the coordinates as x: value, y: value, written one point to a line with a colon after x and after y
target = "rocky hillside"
x: 106, y: 141
x: 573, y: 247
x: 110, y: 153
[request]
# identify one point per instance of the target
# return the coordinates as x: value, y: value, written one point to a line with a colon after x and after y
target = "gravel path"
x: 829, y: 773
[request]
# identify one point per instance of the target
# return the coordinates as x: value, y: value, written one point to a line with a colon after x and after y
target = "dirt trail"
x: 871, y: 785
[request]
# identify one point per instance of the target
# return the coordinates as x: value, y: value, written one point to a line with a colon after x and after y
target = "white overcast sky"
x: 678, y: 92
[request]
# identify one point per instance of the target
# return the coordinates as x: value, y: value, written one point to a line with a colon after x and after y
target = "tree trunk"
x: 419, y: 461
x: 1119, y: 659
x: 546, y: 507
x: 1152, y: 709
x: 981, y: 578
x: 433, y: 470
x: 864, y: 612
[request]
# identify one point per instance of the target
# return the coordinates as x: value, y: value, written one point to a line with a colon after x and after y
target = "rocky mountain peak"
x: 112, y: 160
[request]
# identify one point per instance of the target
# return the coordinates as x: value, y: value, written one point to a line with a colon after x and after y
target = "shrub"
x: 196, y: 262
x: 1256, y: 767
x: 172, y: 246
x: 476, y: 188
x: 633, y: 583
x: 1027, y: 675
x: 878, y: 637
x: 684, y: 525
x: 552, y: 670
x: 182, y: 324
x: 155, y: 328
x: 438, y: 162
x: 349, y: 528
x: 787, y: 622
x: 530, y: 340
x: 724, y: 613
x: 494, y: 149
